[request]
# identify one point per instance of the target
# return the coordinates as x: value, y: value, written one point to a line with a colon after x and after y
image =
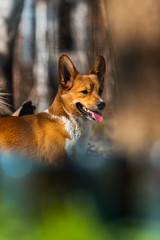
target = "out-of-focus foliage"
x: 75, y: 219
x: 78, y: 201
x: 72, y: 221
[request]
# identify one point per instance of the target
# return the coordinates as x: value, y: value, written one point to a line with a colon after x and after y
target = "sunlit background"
x: 115, y: 192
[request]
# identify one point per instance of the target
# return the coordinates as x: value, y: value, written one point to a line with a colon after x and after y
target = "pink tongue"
x: 97, y: 117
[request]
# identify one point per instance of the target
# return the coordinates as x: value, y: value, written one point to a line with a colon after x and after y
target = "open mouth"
x: 91, y: 115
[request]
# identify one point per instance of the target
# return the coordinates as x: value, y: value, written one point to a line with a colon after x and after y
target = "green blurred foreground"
x: 75, y: 220
x: 108, y: 202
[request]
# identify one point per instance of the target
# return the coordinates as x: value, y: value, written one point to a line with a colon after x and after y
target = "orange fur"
x: 36, y: 135
x: 44, y: 135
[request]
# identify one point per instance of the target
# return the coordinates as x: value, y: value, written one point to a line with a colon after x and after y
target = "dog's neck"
x: 79, y: 129
x: 57, y: 109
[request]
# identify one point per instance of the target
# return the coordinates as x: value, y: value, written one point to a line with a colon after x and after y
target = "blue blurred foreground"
x: 113, y: 200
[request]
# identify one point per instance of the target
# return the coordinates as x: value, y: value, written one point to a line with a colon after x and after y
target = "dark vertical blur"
x: 65, y: 31
x: 135, y: 36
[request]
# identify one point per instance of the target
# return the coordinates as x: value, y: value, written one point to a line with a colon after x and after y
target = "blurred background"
x: 115, y: 192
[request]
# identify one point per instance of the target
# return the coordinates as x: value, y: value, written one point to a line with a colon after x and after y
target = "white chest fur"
x: 79, y: 130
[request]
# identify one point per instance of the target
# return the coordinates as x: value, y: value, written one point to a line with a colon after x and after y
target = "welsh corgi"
x: 63, y: 130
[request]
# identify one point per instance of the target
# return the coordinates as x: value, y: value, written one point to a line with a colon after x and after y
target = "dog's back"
x: 37, y: 136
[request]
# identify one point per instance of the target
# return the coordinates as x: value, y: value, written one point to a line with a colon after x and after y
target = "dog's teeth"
x: 84, y: 108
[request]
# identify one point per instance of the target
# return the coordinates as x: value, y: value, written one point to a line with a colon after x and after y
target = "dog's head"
x: 81, y: 94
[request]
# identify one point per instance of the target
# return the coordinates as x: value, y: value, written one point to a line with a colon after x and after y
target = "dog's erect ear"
x: 67, y: 72
x: 99, y: 68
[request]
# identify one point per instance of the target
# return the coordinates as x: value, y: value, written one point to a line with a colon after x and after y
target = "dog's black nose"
x: 101, y: 105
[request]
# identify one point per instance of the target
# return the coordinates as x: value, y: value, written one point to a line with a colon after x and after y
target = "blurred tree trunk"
x: 52, y: 41
x: 24, y: 55
x: 99, y: 39
x: 42, y: 55
x: 9, y: 32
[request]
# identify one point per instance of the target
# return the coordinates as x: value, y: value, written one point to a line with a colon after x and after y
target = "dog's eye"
x: 100, y: 91
x: 84, y: 92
